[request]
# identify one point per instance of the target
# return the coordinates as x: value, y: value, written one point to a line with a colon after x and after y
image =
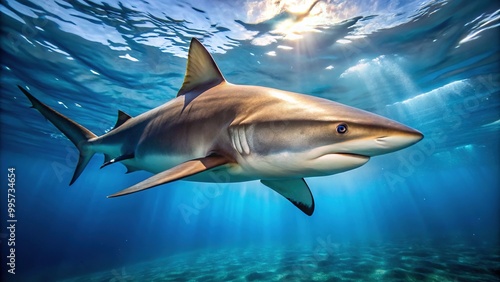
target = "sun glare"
x: 303, y: 17
x: 291, y: 19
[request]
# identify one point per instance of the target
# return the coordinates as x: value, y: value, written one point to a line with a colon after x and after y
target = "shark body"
x: 215, y: 131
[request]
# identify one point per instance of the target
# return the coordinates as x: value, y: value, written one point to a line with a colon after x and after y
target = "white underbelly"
x: 253, y: 167
x: 159, y: 163
x: 298, y: 165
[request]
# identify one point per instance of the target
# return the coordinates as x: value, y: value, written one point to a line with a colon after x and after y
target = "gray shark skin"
x: 215, y: 131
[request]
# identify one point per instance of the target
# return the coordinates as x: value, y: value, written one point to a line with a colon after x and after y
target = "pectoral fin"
x: 178, y: 172
x: 296, y: 191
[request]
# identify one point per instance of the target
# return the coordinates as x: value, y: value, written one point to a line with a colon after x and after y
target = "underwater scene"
x: 411, y: 209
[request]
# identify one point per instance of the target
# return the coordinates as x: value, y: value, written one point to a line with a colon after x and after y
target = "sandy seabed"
x: 400, y: 261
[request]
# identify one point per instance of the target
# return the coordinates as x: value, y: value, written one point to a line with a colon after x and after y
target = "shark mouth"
x: 363, y: 157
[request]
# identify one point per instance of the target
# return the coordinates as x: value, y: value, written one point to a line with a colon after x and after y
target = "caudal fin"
x: 78, y: 134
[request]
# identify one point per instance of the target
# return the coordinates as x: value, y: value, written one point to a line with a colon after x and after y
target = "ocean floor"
x: 326, y: 261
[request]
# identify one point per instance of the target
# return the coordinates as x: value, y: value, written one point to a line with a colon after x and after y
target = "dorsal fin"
x: 122, y: 118
x: 202, y: 72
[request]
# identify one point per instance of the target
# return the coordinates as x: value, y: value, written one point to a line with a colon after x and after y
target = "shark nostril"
x: 381, y: 140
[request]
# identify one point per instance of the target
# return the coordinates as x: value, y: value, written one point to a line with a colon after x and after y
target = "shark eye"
x: 342, y: 128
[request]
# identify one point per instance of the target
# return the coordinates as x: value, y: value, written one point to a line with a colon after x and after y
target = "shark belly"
x: 232, y: 172
x: 290, y: 165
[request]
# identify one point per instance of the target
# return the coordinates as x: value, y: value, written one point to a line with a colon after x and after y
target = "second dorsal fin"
x: 122, y: 118
x: 202, y: 73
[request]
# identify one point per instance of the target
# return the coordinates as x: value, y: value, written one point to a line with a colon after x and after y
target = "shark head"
x: 309, y: 136
x: 350, y: 137
x: 362, y: 133
x: 323, y: 138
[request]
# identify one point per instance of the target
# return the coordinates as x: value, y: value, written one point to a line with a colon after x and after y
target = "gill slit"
x: 239, y: 139
x: 243, y: 140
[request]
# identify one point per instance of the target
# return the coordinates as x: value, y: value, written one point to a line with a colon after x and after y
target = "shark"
x: 215, y: 131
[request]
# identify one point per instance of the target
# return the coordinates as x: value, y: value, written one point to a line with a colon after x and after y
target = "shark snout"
x: 383, y: 138
x: 396, y: 139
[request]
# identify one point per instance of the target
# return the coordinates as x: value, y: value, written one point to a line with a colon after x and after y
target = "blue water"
x: 429, y: 212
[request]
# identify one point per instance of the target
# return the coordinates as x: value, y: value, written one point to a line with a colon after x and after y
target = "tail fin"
x: 78, y: 134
